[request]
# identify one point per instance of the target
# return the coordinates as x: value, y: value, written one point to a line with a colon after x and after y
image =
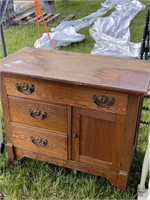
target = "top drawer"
x: 61, y: 93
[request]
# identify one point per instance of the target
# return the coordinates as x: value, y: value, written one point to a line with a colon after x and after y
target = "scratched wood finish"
x: 76, y: 68
x: 80, y: 134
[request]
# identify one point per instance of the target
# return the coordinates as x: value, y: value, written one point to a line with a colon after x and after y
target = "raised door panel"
x: 97, y: 138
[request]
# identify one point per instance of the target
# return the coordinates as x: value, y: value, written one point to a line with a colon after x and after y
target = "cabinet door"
x: 97, y: 138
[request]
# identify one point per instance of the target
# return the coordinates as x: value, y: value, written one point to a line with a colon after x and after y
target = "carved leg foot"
x: 122, y: 182
x: 1, y: 148
x: 1, y: 196
x: 10, y: 151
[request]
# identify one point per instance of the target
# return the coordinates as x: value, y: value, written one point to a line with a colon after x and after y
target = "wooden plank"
x: 34, y: 19
x: 25, y: 9
x: 19, y: 18
x: 68, y: 17
x: 53, y: 18
x: 47, y: 16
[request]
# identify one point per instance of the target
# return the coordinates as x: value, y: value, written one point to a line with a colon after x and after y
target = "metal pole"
x: 5, y: 54
x: 3, y: 7
x: 3, y: 40
x: 145, y: 40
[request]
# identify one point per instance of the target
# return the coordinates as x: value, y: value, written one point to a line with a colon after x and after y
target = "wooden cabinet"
x: 75, y: 110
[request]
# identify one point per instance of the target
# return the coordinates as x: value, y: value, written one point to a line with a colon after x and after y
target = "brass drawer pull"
x: 103, y: 101
x: 39, y: 141
x: 37, y: 114
x: 25, y: 88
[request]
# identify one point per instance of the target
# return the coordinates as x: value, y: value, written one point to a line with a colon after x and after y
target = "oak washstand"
x: 75, y: 110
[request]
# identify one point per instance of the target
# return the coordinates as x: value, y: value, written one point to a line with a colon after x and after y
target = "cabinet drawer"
x: 66, y: 94
x: 34, y: 113
x: 40, y: 141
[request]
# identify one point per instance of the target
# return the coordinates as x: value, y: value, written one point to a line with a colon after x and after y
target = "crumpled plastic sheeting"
x: 59, y: 38
x: 83, y: 22
x: 65, y: 33
x: 112, y: 34
x: 88, y: 20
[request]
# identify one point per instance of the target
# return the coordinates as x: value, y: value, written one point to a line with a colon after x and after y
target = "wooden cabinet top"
x: 111, y: 73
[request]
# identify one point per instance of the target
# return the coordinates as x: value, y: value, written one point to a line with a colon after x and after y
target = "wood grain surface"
x: 132, y: 75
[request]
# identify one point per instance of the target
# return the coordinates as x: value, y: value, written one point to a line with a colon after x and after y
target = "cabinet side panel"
x: 6, y: 113
x: 130, y: 131
x: 118, y: 141
x: 5, y: 107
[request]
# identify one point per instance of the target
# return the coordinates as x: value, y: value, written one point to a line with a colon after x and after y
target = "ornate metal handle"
x: 103, y: 101
x: 25, y: 88
x: 37, y: 114
x: 39, y: 141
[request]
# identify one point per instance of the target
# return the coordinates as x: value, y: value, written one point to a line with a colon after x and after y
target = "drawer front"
x: 42, y: 115
x: 40, y: 141
x: 67, y: 94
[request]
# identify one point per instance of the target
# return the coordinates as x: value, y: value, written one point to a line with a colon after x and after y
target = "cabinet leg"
x: 11, y: 154
x: 1, y: 196
x: 122, y: 182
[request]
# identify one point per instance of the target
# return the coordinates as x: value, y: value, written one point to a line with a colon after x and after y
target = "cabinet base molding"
x: 116, y: 179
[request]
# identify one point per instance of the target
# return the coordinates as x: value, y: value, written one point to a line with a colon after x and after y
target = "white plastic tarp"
x: 112, y: 33
x: 59, y: 38
x: 66, y: 32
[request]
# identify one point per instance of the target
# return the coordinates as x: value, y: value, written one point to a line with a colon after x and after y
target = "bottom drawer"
x: 40, y: 141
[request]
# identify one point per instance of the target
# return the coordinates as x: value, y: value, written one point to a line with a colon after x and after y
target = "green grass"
x: 31, y: 179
